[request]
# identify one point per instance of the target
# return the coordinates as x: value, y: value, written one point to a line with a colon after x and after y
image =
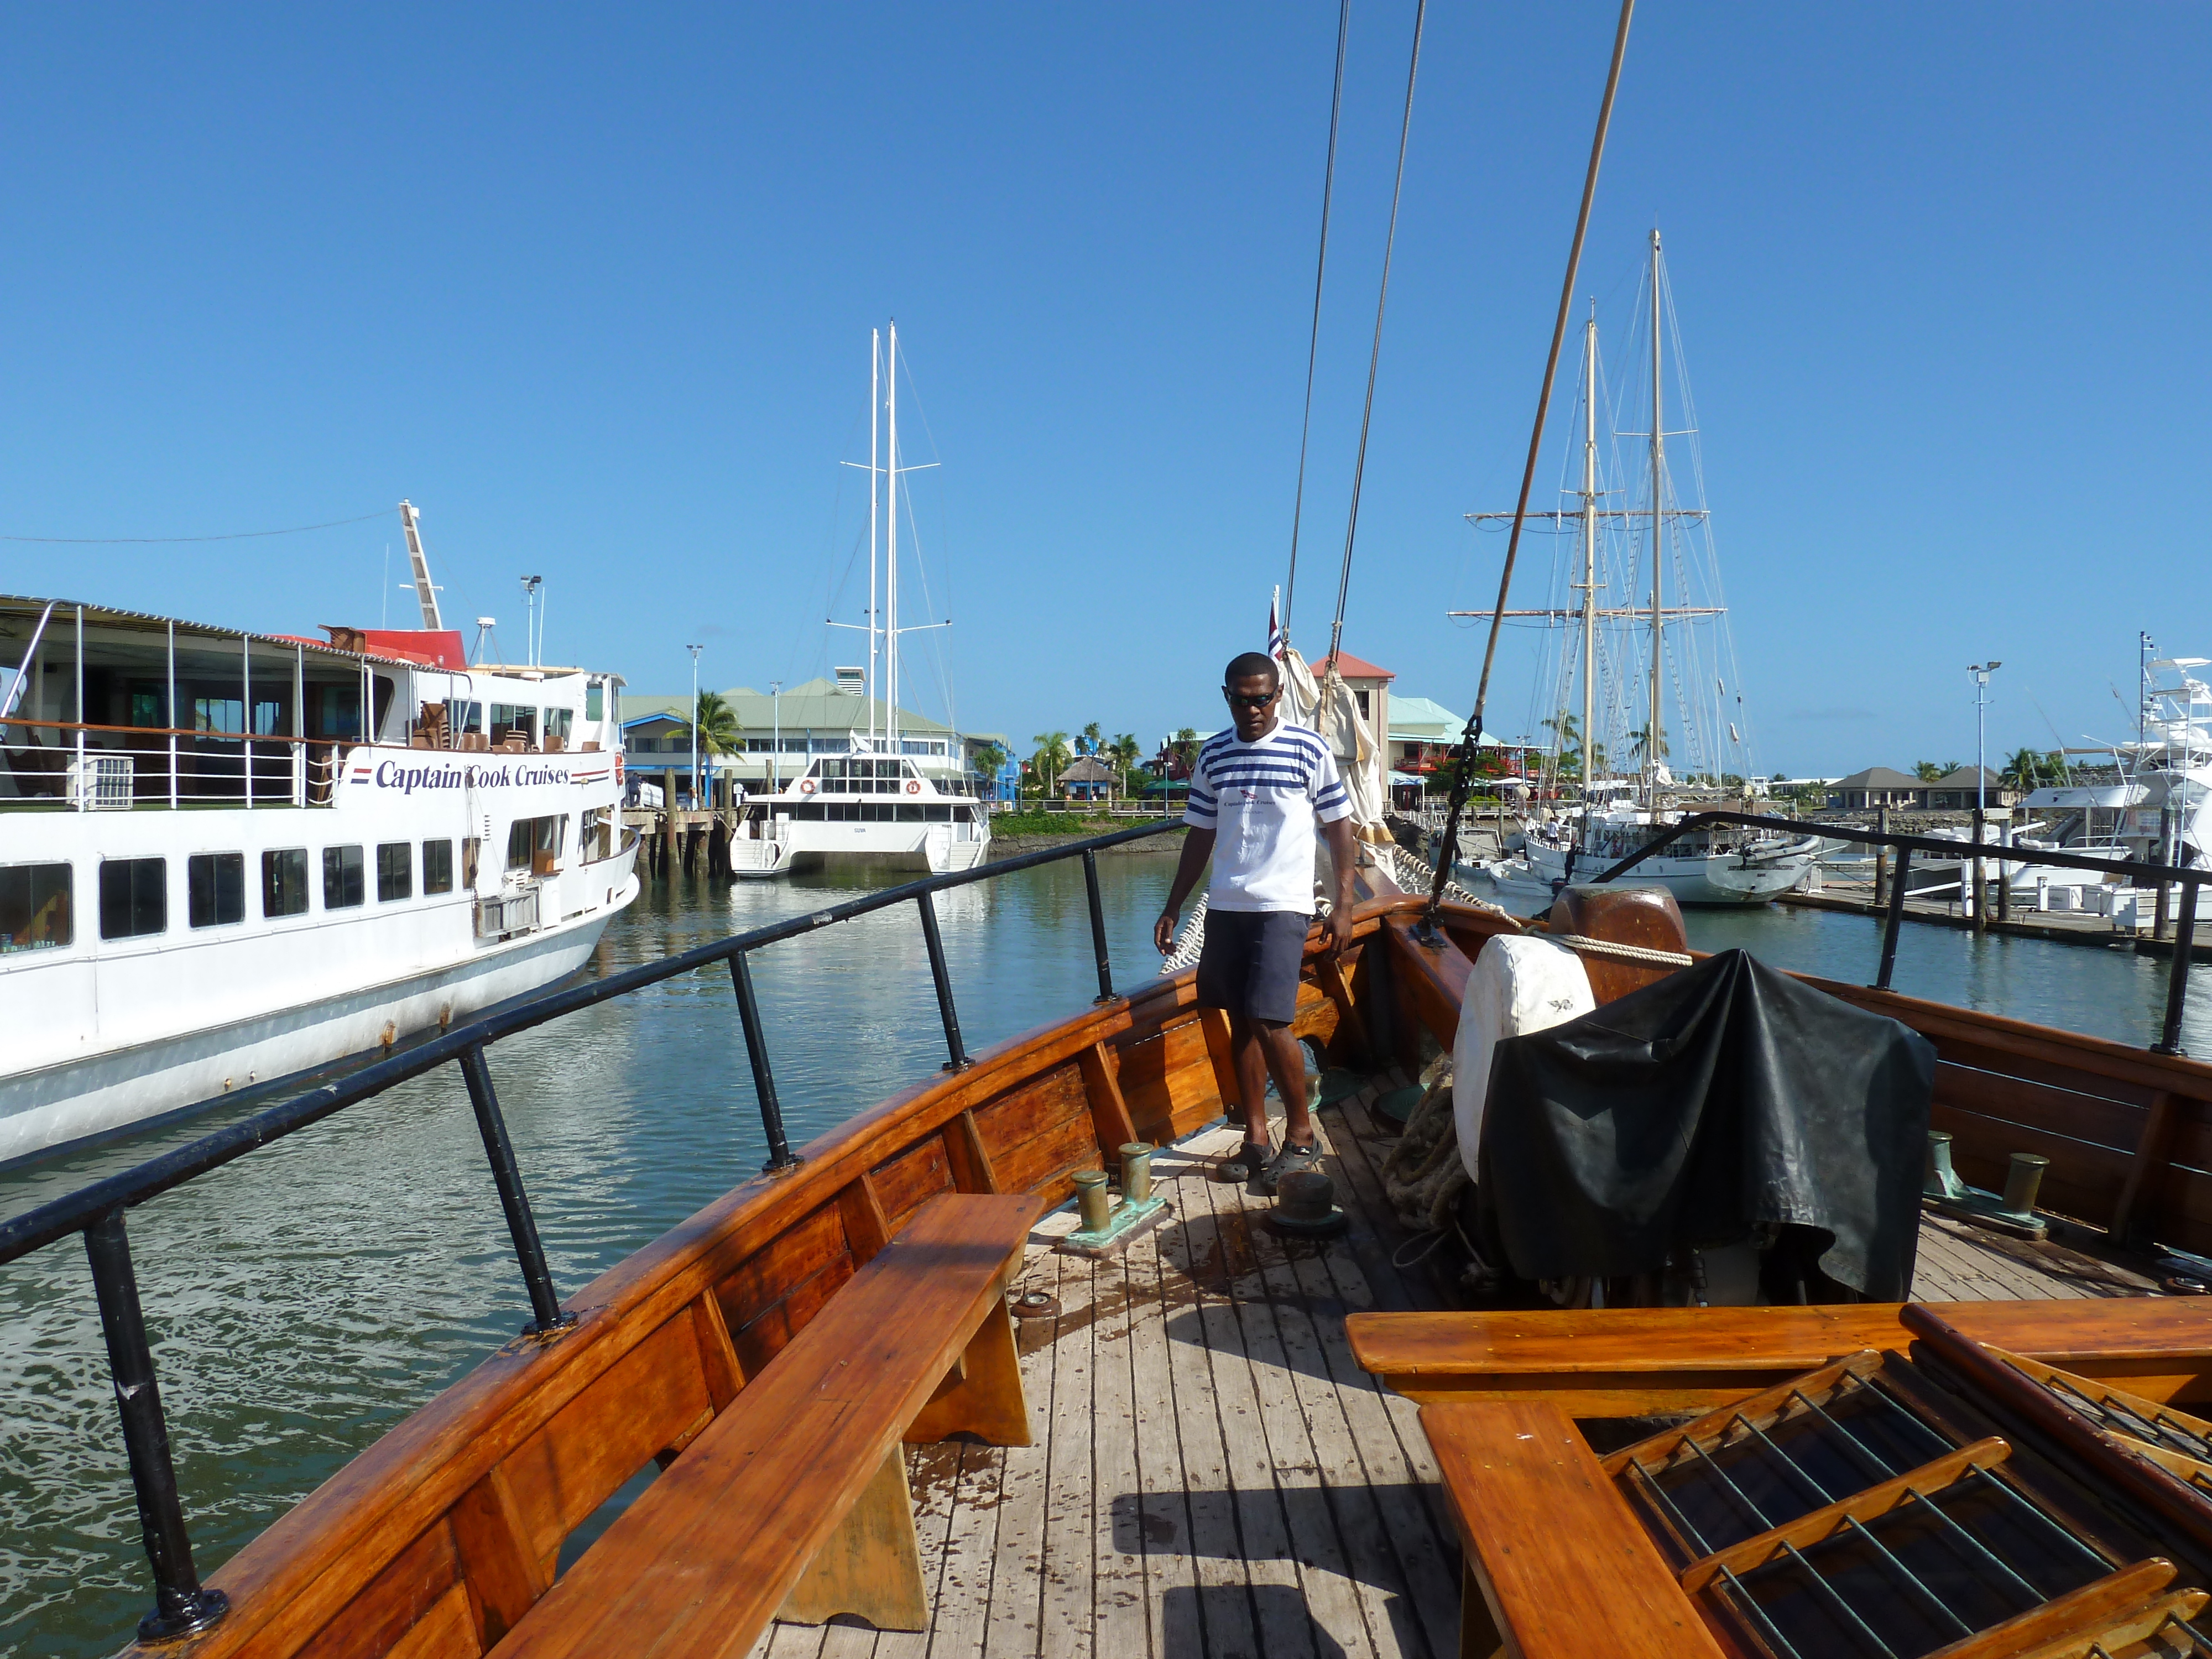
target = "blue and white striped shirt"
x: 1263, y: 799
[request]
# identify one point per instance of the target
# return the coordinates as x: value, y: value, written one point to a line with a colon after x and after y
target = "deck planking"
x: 1214, y: 1475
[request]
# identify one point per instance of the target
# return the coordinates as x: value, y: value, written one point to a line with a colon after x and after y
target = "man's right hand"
x: 1163, y: 933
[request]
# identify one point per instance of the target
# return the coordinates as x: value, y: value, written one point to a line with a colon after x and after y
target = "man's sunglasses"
x: 1236, y: 701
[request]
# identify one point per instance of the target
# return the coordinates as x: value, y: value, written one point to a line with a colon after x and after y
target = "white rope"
x: 1415, y: 875
x: 1606, y: 947
x: 1193, y: 941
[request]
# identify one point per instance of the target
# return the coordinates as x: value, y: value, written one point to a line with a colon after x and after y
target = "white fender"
x: 1520, y: 982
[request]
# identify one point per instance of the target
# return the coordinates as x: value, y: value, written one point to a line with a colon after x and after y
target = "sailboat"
x: 1614, y: 816
x: 892, y: 801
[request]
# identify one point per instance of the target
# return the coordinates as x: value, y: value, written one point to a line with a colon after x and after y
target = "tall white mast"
x: 1589, y: 557
x: 891, y: 547
x: 426, y: 591
x: 875, y: 408
x: 1658, y: 518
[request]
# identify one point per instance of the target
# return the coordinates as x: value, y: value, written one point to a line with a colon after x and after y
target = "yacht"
x: 1617, y: 815
x: 905, y: 812
x: 227, y: 858
x: 893, y: 802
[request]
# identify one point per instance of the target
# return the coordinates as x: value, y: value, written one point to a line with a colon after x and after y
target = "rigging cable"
x: 171, y: 541
x: 1374, y: 353
x: 1471, y: 738
x: 1313, y: 341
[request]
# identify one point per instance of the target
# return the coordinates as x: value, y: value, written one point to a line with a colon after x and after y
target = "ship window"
x: 134, y: 898
x: 344, y: 878
x: 146, y: 706
x: 468, y: 717
x: 335, y: 710
x: 536, y: 844
x: 34, y: 907
x: 219, y: 715
x: 215, y: 889
x: 558, y: 723
x: 512, y: 720
x: 594, y: 704
x: 395, y: 871
x: 284, y: 882
x: 437, y: 866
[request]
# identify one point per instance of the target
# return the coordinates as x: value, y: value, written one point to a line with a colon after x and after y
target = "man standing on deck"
x: 1256, y: 793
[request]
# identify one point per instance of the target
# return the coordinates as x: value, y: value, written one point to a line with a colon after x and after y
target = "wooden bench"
x: 1555, y: 1564
x: 793, y: 1504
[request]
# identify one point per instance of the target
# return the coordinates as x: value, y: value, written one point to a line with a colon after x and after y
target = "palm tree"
x: 1122, y: 754
x: 1927, y: 771
x: 1641, y: 746
x: 990, y: 760
x: 1051, y: 757
x: 1184, y: 748
x: 2023, y: 769
x: 717, y: 726
x: 716, y: 723
x: 1086, y: 741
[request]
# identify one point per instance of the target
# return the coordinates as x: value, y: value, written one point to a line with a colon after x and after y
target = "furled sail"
x: 1329, y: 707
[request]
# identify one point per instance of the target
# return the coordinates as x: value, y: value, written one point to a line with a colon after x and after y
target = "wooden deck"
x: 1216, y: 1476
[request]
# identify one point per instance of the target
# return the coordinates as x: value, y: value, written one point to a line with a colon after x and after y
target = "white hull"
x: 46, y: 1110
x: 895, y: 848
x: 184, y: 912
x: 1718, y: 879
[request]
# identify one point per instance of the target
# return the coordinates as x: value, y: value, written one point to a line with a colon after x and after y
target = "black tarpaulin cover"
x: 1725, y: 1095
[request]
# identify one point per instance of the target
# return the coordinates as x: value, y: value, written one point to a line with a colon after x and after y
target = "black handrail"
x: 2188, y: 879
x: 182, y: 1605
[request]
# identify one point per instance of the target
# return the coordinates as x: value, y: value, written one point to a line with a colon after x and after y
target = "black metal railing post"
x: 927, y: 906
x: 1898, y: 883
x: 544, y: 1304
x: 1098, y: 927
x: 2177, y: 979
x: 181, y: 1607
x: 771, y: 1109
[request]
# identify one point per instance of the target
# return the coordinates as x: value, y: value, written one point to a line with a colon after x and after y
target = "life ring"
x: 913, y: 788
x: 806, y: 786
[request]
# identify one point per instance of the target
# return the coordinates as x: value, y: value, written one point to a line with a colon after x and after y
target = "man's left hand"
x: 1338, y: 925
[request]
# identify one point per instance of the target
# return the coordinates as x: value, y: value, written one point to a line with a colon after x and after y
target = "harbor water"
x: 304, y: 1299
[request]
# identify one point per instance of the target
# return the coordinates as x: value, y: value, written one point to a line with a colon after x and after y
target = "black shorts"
x: 1249, y: 964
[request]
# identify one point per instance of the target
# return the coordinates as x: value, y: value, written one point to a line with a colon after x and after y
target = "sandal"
x: 1248, y: 1163
x: 1289, y: 1161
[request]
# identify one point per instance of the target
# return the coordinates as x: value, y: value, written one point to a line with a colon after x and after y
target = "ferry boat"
x: 227, y: 858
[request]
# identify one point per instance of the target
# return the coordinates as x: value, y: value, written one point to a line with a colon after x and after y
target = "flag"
x: 1274, y: 627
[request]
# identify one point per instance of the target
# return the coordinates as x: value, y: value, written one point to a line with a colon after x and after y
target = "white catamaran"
x: 1614, y: 816
x: 895, y: 801
x: 227, y: 858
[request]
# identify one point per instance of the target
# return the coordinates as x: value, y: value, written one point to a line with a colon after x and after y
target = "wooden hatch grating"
x: 1868, y: 1508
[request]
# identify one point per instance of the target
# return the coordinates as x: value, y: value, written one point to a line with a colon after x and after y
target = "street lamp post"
x: 1981, y: 671
x: 695, y: 650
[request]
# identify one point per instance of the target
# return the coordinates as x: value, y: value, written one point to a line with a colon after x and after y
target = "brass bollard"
x: 2022, y: 1182
x: 1136, y: 1171
x: 1092, y: 1202
x: 1942, y: 1181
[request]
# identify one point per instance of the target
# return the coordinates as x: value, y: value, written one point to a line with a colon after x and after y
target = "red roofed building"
x: 1370, y: 685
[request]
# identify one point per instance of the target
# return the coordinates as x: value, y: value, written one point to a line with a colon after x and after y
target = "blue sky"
x: 595, y: 293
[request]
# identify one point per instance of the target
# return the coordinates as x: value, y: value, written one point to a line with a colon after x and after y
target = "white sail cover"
x: 1330, y: 708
